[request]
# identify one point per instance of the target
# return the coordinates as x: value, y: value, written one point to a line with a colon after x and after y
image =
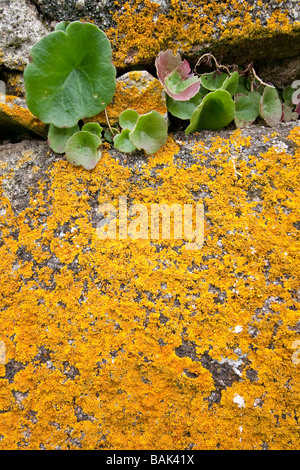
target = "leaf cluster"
x: 291, y: 101
x: 225, y: 96
x: 146, y: 132
x: 71, y: 77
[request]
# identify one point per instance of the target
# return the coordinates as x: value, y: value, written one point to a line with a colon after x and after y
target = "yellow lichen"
x: 142, y: 31
x: 22, y: 116
x: 96, y: 340
x: 138, y: 92
x: 15, y: 81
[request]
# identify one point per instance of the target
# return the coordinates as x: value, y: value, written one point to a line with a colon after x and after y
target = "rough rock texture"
x: 17, y: 122
x: 137, y: 90
x: 236, y: 31
x: 20, y: 29
x: 140, y: 343
x: 71, y: 10
x: 281, y: 73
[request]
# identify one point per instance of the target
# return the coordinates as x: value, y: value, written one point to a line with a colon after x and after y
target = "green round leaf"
x: 183, y: 109
x: 213, y: 81
x: 123, y: 143
x: 270, y: 106
x: 215, y: 111
x: 71, y: 75
x: 82, y: 149
x: 58, y: 137
x: 150, y: 132
x: 93, y: 128
x: 246, y: 108
x: 128, y: 118
x: 287, y: 94
x: 231, y: 83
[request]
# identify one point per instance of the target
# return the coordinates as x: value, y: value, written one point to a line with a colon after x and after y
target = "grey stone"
x: 71, y: 10
x: 281, y: 74
x: 20, y: 29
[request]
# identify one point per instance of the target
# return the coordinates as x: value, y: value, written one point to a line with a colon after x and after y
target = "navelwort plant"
x: 71, y: 77
x: 213, y: 100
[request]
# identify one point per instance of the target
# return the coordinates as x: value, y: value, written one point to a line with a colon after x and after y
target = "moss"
x: 120, y: 343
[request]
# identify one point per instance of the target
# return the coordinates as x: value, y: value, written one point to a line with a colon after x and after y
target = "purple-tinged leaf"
x: 176, y: 76
x: 270, y: 106
x: 296, y: 84
x: 296, y: 96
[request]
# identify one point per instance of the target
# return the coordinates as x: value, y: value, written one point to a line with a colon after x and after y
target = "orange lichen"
x: 142, y: 31
x: 19, y: 115
x: 138, y: 91
x: 16, y: 82
x: 99, y: 338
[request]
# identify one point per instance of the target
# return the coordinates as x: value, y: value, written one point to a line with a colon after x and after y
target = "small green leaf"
x: 183, y: 109
x: 62, y: 26
x: 215, y: 111
x: 108, y: 135
x: 93, y: 128
x: 213, y: 81
x: 58, y: 137
x: 231, y: 83
x: 82, y: 149
x: 270, y: 106
x: 287, y: 94
x: 150, y: 132
x: 128, y: 118
x: 203, y: 91
x: 123, y: 143
x: 246, y: 108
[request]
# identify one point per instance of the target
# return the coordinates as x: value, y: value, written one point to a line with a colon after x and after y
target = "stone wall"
x: 236, y: 31
x: 140, y: 343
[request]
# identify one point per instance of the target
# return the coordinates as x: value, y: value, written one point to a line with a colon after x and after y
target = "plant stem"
x: 211, y: 56
x: 259, y: 79
x: 108, y: 123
